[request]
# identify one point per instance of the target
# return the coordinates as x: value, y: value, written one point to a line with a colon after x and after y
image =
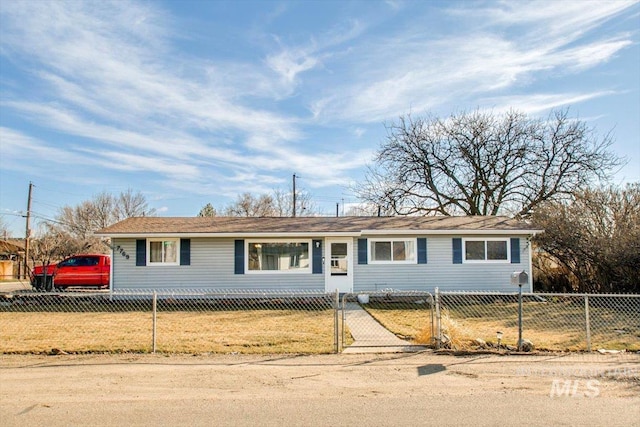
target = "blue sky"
x: 192, y: 102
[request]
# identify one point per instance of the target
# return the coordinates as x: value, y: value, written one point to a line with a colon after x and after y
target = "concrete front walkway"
x: 370, y: 336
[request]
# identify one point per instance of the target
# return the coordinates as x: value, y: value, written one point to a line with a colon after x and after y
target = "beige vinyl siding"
x: 440, y: 271
x: 212, y: 267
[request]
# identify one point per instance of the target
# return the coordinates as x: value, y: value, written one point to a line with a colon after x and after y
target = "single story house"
x: 350, y: 254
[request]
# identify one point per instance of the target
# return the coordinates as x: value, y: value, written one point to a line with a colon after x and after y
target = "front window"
x: 491, y: 250
x: 339, y: 259
x: 84, y: 261
x: 278, y: 256
x: 393, y: 250
x: 163, y: 251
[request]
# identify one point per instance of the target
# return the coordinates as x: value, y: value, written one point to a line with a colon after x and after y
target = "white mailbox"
x: 519, y: 278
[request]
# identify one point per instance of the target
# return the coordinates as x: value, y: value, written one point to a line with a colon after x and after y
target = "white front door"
x: 339, y: 265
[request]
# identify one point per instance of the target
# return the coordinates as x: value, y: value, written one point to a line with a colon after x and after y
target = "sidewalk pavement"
x: 15, y: 285
x: 370, y: 336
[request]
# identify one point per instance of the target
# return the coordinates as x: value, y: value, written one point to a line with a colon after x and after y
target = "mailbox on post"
x: 519, y: 278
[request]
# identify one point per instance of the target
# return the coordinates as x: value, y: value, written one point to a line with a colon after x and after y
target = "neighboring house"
x: 11, y: 257
x: 350, y: 254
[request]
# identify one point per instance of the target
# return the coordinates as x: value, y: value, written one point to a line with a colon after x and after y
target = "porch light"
x: 499, y: 336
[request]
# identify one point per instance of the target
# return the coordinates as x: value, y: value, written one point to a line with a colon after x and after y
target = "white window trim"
x: 486, y: 261
x: 307, y: 270
x: 162, y: 239
x: 370, y: 243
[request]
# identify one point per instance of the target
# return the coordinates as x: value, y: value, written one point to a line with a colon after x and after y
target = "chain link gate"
x: 391, y: 319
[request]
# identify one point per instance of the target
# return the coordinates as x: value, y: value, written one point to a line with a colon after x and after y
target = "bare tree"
x: 484, y: 164
x: 591, y: 244
x: 130, y: 204
x: 283, y: 203
x: 81, y: 221
x: 4, y: 231
x: 251, y: 206
x: 277, y: 204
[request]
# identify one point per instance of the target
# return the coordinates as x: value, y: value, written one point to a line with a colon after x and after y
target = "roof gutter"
x: 324, y: 234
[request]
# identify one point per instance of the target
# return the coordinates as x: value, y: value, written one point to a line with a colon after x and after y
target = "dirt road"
x: 372, y: 390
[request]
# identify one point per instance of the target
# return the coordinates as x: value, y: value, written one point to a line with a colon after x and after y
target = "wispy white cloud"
x: 110, y: 77
x: 501, y: 47
x: 541, y: 102
x: 110, y: 81
x: 289, y: 64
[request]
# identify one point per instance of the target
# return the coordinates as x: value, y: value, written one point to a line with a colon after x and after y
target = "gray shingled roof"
x: 286, y: 225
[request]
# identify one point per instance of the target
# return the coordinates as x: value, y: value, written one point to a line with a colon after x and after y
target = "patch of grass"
x: 413, y: 324
x: 250, y: 331
x: 557, y: 326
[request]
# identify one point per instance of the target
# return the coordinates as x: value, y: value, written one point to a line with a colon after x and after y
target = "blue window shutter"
x: 317, y: 256
x: 515, y: 250
x: 239, y: 257
x: 362, y: 251
x: 422, y: 250
x: 141, y: 252
x: 185, y: 251
x: 457, y: 250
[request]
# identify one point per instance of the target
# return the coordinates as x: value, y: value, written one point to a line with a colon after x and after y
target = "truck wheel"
x: 49, y: 284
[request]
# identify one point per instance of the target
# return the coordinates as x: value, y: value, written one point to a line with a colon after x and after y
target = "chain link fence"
x: 402, y: 320
x: 172, y: 322
x: 272, y: 322
x: 554, y: 322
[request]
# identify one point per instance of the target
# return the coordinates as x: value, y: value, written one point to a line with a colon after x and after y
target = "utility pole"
x: 27, y: 233
x: 294, y: 196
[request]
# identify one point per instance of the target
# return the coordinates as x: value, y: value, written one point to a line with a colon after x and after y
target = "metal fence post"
x: 336, y: 328
x: 587, y: 321
x: 520, y: 318
x: 431, y: 309
x: 344, y: 318
x: 155, y: 319
x: 438, y: 320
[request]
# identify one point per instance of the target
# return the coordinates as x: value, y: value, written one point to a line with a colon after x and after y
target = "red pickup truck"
x: 85, y: 270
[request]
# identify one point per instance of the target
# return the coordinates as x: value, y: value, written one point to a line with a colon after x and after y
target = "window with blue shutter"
x: 317, y: 256
x: 515, y: 250
x: 457, y: 250
x: 141, y: 252
x: 239, y: 257
x: 422, y: 250
x: 185, y: 251
x: 362, y: 251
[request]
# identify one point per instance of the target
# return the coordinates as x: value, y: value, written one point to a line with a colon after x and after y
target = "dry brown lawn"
x: 250, y: 331
x: 556, y: 327
x: 550, y: 326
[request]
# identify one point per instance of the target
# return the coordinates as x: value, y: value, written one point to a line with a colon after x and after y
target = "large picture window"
x: 163, y: 251
x: 487, y: 250
x: 392, y: 250
x: 265, y: 256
